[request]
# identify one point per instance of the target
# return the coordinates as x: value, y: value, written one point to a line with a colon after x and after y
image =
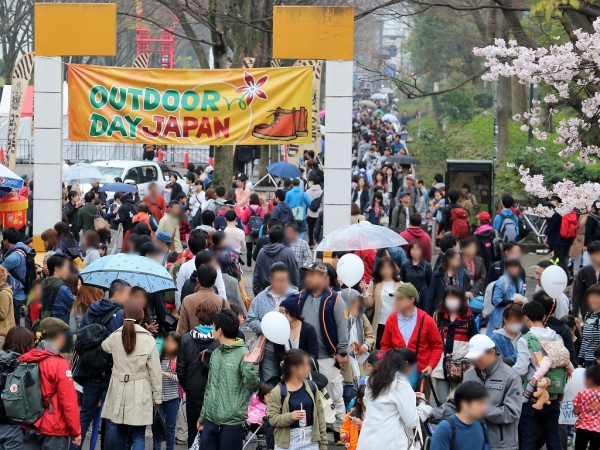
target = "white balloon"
x: 275, y: 327
x: 350, y: 269
x: 576, y: 383
x: 554, y: 281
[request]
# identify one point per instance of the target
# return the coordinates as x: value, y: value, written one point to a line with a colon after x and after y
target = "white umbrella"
x: 389, y: 118
x: 83, y: 173
x: 379, y: 96
x: 386, y: 90
x: 360, y: 236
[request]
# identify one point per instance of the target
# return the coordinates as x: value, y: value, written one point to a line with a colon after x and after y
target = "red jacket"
x: 158, y: 206
x: 417, y: 233
x: 368, y: 257
x: 61, y: 418
x: 431, y: 346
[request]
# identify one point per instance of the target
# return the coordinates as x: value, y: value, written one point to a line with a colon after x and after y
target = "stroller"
x: 257, y: 425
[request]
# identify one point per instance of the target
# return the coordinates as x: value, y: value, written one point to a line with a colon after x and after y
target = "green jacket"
x: 86, y: 216
x: 231, y: 381
x: 280, y: 418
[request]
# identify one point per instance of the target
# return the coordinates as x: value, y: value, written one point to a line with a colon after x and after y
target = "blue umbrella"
x: 118, y: 187
x: 9, y: 180
x: 283, y: 170
x: 136, y: 270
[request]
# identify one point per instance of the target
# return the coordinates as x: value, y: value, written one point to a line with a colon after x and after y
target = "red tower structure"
x: 164, y: 45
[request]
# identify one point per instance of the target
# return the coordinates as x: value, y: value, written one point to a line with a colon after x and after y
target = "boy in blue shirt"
x: 466, y: 428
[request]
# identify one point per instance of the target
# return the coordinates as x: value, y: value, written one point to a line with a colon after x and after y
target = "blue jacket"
x: 500, y: 218
x: 269, y: 255
x: 396, y: 253
x: 553, y: 232
x: 297, y: 197
x: 14, y: 262
x: 328, y: 325
x: 437, y: 289
x: 63, y: 302
x: 283, y: 213
x: 504, y: 289
x: 504, y: 345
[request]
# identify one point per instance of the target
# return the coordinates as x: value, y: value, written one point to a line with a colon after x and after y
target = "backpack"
x: 255, y: 222
x: 22, y: 399
x: 8, y: 363
x: 558, y: 354
x: 30, y: 270
x: 90, y: 356
x: 488, y: 305
x: 460, y: 223
x: 450, y: 420
x: 497, y: 247
x: 316, y: 203
x: 568, y: 226
x: 508, y: 229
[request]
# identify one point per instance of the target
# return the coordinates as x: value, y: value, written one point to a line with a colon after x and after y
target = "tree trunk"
x: 504, y: 98
x: 223, y: 165
x: 520, y: 100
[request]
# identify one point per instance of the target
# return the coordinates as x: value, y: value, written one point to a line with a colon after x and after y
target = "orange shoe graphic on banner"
x: 287, y: 125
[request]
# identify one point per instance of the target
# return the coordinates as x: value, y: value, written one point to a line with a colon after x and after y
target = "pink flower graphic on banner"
x: 252, y: 88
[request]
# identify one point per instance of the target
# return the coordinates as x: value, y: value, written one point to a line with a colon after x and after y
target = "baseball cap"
x: 229, y: 203
x: 209, y: 169
x: 316, y: 267
x: 52, y: 325
x: 478, y: 345
x: 242, y: 177
x: 403, y: 193
x: 410, y: 176
x: 163, y: 236
x: 375, y: 356
x: 484, y: 216
x: 405, y: 290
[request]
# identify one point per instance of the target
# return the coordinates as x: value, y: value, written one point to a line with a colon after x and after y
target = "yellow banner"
x: 183, y: 107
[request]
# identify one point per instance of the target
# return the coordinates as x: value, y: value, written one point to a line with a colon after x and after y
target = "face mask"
x: 514, y: 327
x: 452, y: 304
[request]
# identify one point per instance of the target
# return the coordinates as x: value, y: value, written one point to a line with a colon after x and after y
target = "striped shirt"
x: 170, y: 385
x: 591, y: 338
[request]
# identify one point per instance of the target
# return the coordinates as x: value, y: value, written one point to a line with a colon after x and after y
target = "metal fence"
x: 90, y: 152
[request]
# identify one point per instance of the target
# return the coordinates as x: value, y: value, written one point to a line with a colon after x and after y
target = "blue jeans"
x: 116, y: 436
x: 303, y: 229
x: 222, y: 437
x: 349, y: 394
x: 92, y: 394
x: 269, y: 367
x: 169, y: 410
x: 543, y: 424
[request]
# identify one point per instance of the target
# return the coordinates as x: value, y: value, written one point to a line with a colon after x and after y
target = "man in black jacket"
x: 125, y: 212
x: 587, y: 276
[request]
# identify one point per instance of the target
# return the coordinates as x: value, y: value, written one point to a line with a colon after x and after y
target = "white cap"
x: 478, y: 345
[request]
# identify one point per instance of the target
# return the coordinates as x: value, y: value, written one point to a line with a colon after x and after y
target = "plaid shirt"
x: 184, y: 229
x: 301, y: 252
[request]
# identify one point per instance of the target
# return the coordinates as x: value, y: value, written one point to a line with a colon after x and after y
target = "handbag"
x: 454, y: 369
x: 245, y: 297
x: 101, y: 226
x: 196, y: 444
x: 159, y: 429
x: 421, y: 439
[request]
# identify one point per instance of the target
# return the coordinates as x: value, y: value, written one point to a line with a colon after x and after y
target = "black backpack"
x: 95, y: 362
x: 30, y: 270
x: 8, y: 362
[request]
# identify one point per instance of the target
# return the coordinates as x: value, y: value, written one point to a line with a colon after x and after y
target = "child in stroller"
x: 257, y: 423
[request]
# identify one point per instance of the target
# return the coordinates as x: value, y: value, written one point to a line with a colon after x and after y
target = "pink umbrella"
x: 322, y: 114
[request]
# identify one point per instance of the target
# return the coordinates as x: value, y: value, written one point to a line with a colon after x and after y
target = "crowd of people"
x: 434, y: 346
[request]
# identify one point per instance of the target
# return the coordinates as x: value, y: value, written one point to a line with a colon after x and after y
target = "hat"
x: 229, y: 203
x: 242, y: 177
x: 375, y: 356
x: 405, y: 290
x: 148, y: 249
x: 163, y: 237
x: 291, y: 303
x: 410, y: 176
x: 349, y: 295
x: 484, y: 217
x: 316, y: 267
x: 403, y: 193
x: 52, y: 325
x: 478, y: 345
x: 206, y: 228
x: 209, y: 169
x: 25, y: 177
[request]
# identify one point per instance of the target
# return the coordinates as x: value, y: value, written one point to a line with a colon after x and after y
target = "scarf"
x: 50, y: 284
x: 470, y: 265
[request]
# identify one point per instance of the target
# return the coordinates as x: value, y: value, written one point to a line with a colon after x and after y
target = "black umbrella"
x: 404, y: 160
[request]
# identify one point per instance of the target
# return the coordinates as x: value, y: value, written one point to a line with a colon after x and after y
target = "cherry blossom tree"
x: 573, y: 71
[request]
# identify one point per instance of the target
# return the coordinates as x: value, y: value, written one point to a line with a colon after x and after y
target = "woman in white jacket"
x: 391, y: 404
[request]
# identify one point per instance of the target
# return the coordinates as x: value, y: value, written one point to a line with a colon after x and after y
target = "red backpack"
x: 460, y: 223
x: 568, y: 226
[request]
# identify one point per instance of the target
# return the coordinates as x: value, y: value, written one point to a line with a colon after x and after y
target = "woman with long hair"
x: 356, y: 215
x: 457, y: 325
x: 416, y: 270
x: 51, y: 240
x: 66, y: 238
x: 379, y: 180
x: 377, y: 211
x: 295, y: 409
x: 85, y: 297
x: 360, y: 194
x: 378, y: 302
x: 391, y: 405
x: 128, y: 404
x: 450, y: 273
x: 193, y: 363
x: 91, y: 244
